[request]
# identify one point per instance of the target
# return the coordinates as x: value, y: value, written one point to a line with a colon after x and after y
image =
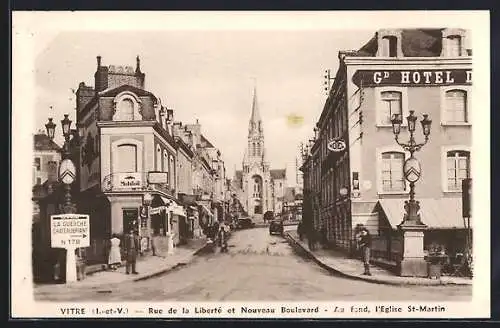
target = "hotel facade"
x: 353, y: 167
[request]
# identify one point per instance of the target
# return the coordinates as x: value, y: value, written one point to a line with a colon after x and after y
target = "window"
x: 455, y: 106
x: 392, y: 172
x: 37, y: 163
x: 126, y: 159
x: 457, y: 166
x: 126, y: 109
x: 454, y: 46
x: 38, y: 181
x: 165, y: 164
x: 172, y: 171
x: 391, y: 104
x: 158, y: 158
x: 389, y: 46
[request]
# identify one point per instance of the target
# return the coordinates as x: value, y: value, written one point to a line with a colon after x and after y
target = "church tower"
x: 257, y: 190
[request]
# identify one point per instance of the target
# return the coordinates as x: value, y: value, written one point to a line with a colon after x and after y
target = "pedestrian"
x: 115, y: 258
x: 153, y: 244
x: 322, y: 236
x: 299, y: 231
x: 222, y: 237
x: 365, y: 241
x: 311, y: 238
x: 132, y: 248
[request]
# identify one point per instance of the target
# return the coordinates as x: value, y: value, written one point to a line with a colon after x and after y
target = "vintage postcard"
x: 250, y: 165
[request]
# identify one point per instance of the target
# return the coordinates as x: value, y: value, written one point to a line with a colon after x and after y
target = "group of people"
x: 362, y: 235
x: 131, y: 249
x: 218, y: 233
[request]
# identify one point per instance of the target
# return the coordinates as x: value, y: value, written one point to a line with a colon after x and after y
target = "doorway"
x: 130, y: 219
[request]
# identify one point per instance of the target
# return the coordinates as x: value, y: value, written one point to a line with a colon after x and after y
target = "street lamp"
x: 411, y: 169
x: 67, y: 175
x: 67, y: 169
x: 147, y: 200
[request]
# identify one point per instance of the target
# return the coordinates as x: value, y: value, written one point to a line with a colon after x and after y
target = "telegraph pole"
x: 327, y: 83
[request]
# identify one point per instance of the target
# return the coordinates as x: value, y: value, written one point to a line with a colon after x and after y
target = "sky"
x: 209, y: 76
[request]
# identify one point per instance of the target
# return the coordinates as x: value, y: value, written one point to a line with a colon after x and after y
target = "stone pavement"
x: 339, y: 263
x: 148, y: 266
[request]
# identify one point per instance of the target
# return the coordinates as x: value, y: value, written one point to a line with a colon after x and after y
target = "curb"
x: 102, y: 267
x: 374, y: 280
x: 187, y: 260
x: 163, y: 271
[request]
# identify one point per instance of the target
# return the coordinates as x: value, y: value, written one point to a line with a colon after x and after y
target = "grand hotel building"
x: 397, y: 71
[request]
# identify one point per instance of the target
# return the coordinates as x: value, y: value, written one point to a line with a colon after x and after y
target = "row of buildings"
x: 353, y: 168
x: 125, y: 134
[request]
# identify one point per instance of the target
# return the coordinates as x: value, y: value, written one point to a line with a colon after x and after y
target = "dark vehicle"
x: 245, y: 223
x: 276, y: 227
x: 268, y: 216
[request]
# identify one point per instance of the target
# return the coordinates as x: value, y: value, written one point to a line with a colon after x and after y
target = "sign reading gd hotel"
x: 419, y: 77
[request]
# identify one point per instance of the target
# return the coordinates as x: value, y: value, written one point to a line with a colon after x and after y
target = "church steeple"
x: 255, y: 118
x: 255, y: 150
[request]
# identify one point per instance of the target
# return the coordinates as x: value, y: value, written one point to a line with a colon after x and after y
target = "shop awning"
x: 174, y: 207
x: 207, y: 211
x: 443, y: 213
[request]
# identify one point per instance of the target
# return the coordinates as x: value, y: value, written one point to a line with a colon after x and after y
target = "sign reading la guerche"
x: 69, y: 230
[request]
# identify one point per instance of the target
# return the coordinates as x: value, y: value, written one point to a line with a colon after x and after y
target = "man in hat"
x: 132, y: 248
x: 365, y: 243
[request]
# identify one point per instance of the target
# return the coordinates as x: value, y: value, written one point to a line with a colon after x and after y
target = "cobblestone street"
x: 258, y: 267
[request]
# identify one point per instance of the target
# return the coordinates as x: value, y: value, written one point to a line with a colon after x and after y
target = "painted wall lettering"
x: 372, y: 78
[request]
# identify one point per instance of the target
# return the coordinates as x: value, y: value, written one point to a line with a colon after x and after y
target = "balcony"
x: 133, y: 181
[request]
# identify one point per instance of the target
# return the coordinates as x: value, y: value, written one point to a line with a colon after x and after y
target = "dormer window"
x: 389, y: 46
x: 453, y: 43
x: 127, y: 107
x: 389, y: 43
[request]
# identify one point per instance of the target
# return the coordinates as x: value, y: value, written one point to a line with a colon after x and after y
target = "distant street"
x: 260, y: 267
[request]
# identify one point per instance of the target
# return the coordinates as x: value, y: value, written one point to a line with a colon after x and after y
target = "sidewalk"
x: 339, y: 263
x: 148, y: 266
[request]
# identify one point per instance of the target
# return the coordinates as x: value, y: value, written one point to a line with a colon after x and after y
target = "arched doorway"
x: 257, y: 193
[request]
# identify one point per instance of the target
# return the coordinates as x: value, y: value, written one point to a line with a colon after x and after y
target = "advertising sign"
x: 69, y: 230
x: 336, y: 145
x: 129, y: 180
x: 418, y: 77
x: 157, y: 177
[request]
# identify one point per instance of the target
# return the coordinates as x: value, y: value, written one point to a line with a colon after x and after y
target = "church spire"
x: 255, y: 118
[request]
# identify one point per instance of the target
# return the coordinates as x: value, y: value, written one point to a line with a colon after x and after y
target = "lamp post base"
x: 413, y: 263
x: 413, y: 267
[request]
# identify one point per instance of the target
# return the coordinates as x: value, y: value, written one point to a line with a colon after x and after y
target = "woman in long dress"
x: 115, y: 258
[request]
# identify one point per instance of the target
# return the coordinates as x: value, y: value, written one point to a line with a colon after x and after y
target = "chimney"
x: 101, y: 76
x: 162, y: 117
x: 138, y: 65
x: 52, y: 172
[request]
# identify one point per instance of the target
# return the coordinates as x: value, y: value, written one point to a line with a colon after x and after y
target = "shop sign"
x: 156, y: 210
x: 129, y: 180
x: 336, y: 145
x: 420, y: 77
x: 157, y: 177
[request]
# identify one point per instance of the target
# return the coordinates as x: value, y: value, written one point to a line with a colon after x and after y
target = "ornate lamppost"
x: 147, y: 200
x: 67, y: 169
x: 67, y: 175
x: 413, y: 263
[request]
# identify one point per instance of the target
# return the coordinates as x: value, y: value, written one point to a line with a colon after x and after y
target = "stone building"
x: 126, y: 136
x: 361, y: 182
